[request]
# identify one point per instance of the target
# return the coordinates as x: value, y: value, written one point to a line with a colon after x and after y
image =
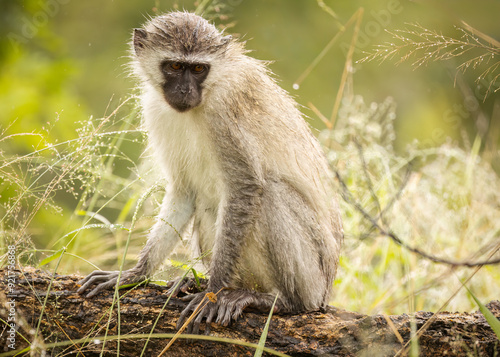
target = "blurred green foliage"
x: 70, y: 149
x: 72, y: 56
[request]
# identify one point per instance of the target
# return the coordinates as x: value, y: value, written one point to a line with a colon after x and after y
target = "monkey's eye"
x: 176, y: 66
x: 199, y: 68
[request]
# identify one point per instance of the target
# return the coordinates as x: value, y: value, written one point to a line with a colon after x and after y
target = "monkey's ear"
x: 140, y: 39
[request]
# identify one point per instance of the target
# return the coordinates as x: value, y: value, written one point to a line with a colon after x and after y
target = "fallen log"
x: 67, y: 318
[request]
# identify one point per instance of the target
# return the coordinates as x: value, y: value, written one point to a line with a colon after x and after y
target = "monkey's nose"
x: 184, y: 90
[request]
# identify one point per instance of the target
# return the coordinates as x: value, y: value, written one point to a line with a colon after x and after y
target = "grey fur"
x: 246, y: 166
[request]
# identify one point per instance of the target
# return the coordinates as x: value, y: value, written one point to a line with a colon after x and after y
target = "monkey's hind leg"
x: 227, y: 308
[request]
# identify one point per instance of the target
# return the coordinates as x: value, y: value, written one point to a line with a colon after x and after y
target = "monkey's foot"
x: 185, y: 286
x: 228, y: 307
x: 107, y: 280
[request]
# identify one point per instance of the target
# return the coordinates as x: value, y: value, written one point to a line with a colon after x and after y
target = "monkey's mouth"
x: 182, y: 103
x: 182, y: 87
x: 182, y: 107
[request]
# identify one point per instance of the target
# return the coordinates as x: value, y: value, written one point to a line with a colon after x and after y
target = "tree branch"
x: 333, y: 332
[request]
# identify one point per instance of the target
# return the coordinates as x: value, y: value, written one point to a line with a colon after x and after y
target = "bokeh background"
x: 63, y: 63
x: 72, y: 55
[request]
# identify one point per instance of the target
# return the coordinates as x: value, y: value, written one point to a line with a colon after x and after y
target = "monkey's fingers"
x: 210, y: 318
x: 224, y: 309
x: 194, y: 301
x: 185, y: 313
x: 194, y: 326
x: 208, y: 313
x: 94, y: 274
x: 225, y: 316
x: 237, y: 311
x: 103, y: 286
x: 103, y: 280
x: 232, y: 304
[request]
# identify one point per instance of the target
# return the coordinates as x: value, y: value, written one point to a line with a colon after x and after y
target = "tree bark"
x: 333, y: 332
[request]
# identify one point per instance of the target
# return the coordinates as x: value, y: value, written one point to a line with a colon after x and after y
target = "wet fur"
x: 245, y: 166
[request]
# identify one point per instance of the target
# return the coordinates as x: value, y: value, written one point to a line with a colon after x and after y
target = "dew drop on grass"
x: 295, y: 86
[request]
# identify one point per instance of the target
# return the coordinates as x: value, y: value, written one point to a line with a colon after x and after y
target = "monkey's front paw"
x: 106, y: 280
x: 227, y: 308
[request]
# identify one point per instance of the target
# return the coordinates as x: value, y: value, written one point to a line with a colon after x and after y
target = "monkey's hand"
x: 227, y: 307
x: 107, y: 280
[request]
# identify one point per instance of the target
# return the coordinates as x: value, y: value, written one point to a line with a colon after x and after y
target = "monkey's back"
x: 294, y: 248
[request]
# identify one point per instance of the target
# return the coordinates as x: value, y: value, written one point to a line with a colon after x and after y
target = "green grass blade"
x: 263, y: 337
x: 490, y: 318
x: 51, y: 257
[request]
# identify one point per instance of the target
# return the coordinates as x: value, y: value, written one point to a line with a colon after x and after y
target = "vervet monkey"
x: 241, y: 161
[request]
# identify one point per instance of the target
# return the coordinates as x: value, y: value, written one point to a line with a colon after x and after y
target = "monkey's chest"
x: 183, y: 147
x: 200, y: 175
x: 188, y: 156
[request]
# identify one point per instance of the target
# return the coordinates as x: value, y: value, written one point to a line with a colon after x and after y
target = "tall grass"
x: 76, y: 197
x: 443, y: 200
x: 86, y: 185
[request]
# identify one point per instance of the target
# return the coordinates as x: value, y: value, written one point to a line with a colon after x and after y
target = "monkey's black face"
x: 182, y: 88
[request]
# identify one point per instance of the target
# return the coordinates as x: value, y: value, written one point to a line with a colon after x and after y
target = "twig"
x: 350, y: 199
x: 188, y: 321
x: 348, y: 65
x: 393, y: 200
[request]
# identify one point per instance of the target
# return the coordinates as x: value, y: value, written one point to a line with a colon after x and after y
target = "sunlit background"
x: 72, y: 54
x: 65, y: 61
